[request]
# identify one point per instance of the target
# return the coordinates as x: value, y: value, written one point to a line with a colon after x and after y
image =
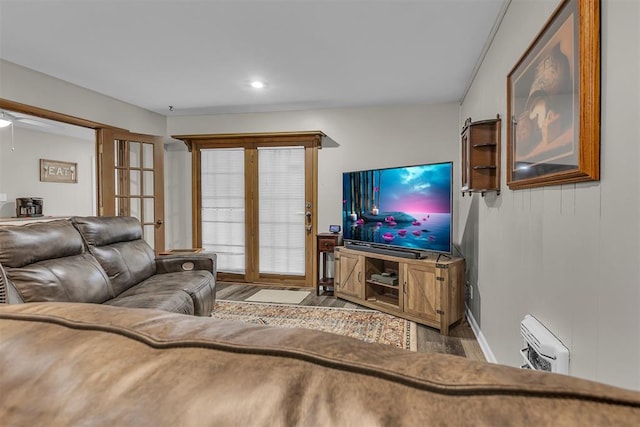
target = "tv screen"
x: 407, y: 207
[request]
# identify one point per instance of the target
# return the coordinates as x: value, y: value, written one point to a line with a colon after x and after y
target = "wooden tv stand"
x: 429, y: 291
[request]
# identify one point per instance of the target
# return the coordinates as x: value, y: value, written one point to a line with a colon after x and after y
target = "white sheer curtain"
x: 223, y: 207
x: 282, y: 207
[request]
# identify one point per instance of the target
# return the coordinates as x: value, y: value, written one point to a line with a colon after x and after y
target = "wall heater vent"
x: 542, y: 350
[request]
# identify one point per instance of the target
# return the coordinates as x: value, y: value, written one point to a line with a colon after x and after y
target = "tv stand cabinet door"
x: 349, y: 280
x: 423, y: 293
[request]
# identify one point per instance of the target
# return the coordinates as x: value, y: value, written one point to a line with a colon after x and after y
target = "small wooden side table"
x: 326, y: 242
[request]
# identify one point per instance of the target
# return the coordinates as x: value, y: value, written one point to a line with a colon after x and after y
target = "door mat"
x: 278, y: 296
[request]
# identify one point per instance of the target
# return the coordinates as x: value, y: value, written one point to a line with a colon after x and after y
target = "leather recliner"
x: 102, y: 260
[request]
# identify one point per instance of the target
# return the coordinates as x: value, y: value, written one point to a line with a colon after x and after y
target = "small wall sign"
x: 57, y: 171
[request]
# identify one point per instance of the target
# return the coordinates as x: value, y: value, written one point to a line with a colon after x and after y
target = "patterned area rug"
x: 366, y: 325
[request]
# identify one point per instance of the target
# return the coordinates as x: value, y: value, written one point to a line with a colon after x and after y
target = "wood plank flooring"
x: 460, y: 342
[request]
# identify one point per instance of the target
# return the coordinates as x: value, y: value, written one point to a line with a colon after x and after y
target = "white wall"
x: 40, y: 90
x: 366, y: 138
x: 20, y: 171
x: 568, y: 254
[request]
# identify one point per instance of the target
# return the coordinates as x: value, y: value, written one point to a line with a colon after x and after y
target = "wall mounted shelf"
x: 481, y: 156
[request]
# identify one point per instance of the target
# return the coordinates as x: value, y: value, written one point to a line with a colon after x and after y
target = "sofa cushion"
x: 106, y: 230
x: 175, y: 301
x: 21, y: 245
x: 126, y: 263
x: 117, y: 244
x: 77, y: 278
x: 47, y: 262
x: 198, y: 284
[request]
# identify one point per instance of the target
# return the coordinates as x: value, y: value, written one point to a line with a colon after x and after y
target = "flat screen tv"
x: 407, y: 208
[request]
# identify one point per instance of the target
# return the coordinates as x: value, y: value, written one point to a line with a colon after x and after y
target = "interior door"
x: 131, y: 180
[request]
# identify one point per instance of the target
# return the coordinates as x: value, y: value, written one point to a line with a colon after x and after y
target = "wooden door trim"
x: 106, y: 176
x: 312, y: 195
x: 196, y: 202
x: 226, y: 140
x: 158, y: 193
x: 18, y: 107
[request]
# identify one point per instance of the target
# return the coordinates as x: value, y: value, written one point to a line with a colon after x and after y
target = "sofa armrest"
x: 8, y: 292
x: 176, y: 263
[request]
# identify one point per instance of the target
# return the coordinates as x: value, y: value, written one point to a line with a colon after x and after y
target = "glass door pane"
x: 281, y: 178
x: 135, y: 184
x: 223, y: 207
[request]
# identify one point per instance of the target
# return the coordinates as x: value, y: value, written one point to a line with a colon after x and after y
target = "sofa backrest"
x: 117, y: 244
x: 47, y: 261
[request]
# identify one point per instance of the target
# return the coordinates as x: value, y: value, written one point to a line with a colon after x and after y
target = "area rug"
x: 278, y: 296
x: 367, y: 325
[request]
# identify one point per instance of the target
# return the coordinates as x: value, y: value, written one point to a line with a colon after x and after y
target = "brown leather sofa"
x: 70, y: 364
x: 101, y: 260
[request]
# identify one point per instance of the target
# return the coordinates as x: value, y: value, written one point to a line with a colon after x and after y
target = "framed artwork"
x: 57, y: 171
x: 553, y: 101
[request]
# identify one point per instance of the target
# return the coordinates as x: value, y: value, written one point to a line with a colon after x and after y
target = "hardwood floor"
x: 460, y: 342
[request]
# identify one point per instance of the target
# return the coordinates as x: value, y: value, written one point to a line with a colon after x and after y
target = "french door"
x: 255, y: 205
x: 131, y: 180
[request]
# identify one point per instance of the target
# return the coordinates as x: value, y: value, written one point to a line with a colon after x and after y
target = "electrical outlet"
x: 3, y: 197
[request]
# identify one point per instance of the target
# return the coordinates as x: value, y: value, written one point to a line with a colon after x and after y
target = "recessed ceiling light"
x: 257, y: 84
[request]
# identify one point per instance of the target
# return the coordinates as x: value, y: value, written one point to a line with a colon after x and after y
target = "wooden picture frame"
x: 58, y: 171
x: 553, y: 102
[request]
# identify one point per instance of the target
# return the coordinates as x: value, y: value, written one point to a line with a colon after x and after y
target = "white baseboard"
x: 484, y: 345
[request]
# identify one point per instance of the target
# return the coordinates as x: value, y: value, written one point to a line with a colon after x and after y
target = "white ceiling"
x: 199, y: 56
